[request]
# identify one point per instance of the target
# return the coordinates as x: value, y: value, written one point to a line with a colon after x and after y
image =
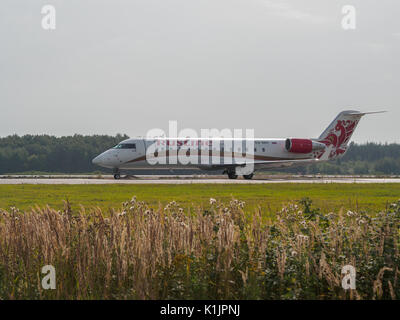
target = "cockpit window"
x: 126, y: 146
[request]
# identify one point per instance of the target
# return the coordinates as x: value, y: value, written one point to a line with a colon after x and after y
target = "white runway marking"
x: 185, y: 180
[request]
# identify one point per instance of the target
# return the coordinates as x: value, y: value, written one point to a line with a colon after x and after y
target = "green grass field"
x: 197, y: 250
x: 270, y: 197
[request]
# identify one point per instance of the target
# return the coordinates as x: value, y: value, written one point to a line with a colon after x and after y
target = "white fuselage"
x: 183, y: 153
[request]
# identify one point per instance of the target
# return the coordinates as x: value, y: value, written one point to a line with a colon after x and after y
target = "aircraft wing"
x: 264, y: 164
x: 283, y: 163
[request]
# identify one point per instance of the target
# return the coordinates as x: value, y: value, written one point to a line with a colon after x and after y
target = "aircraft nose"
x: 96, y: 160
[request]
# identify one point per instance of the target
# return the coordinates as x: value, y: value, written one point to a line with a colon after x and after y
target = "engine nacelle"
x: 303, y: 145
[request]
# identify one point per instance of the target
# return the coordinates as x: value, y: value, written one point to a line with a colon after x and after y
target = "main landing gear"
x: 248, y: 176
x: 232, y: 175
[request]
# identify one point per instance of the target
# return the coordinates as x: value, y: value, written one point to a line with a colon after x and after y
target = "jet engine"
x: 303, y: 145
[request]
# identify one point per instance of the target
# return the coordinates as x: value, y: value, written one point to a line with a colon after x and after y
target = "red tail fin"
x: 338, y: 134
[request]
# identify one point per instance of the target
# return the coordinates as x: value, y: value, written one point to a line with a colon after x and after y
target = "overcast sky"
x: 283, y: 68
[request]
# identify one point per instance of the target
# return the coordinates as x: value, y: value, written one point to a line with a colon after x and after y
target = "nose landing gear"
x: 117, y: 174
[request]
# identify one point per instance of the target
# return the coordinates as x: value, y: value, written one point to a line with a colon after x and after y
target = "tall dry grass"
x: 221, y: 252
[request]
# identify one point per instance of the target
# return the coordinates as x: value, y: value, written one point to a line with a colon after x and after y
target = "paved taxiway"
x: 152, y: 180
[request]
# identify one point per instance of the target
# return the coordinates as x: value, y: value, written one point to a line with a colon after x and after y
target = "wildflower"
x: 212, y: 201
x: 293, y: 253
x: 361, y: 221
x: 350, y: 213
x: 302, y: 238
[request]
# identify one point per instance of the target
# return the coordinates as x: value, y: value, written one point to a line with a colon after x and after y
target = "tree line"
x: 74, y: 154
x: 360, y: 159
x: 44, y: 153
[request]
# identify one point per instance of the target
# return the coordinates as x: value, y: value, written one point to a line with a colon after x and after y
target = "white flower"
x: 350, y: 213
x: 212, y: 201
x: 302, y: 237
x: 361, y: 221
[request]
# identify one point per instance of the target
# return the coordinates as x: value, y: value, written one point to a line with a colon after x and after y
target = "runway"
x: 75, y: 180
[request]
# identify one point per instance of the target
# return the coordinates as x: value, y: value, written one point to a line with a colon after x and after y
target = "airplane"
x: 232, y: 156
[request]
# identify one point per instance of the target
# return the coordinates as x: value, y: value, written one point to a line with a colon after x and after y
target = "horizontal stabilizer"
x: 364, y: 113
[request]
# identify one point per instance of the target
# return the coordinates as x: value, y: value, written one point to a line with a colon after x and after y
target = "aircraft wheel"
x: 117, y: 176
x: 232, y: 175
x: 248, y: 176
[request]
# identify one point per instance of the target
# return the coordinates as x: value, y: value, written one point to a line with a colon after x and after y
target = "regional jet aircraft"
x: 231, y: 156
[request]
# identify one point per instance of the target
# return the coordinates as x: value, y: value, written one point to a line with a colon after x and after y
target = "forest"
x: 73, y: 154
